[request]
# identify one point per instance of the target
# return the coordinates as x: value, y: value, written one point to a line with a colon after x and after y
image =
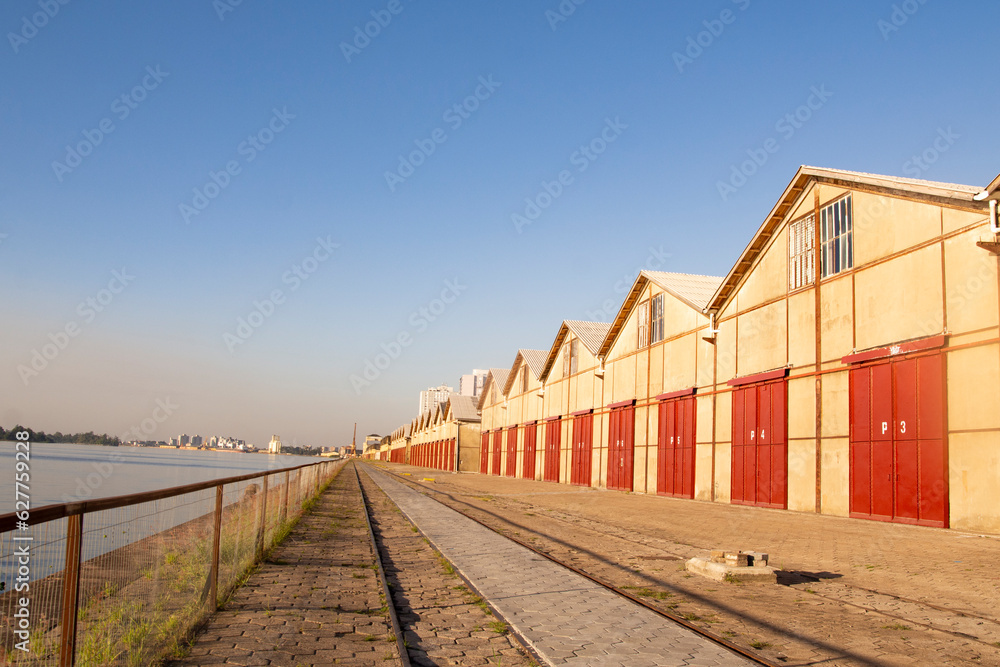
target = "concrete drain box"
x: 734, y: 567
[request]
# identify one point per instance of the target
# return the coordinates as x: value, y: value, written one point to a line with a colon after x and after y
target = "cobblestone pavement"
x: 850, y: 592
x: 316, y: 600
x: 444, y: 623
x: 566, y: 618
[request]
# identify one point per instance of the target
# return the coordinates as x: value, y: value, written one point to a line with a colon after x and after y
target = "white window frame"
x: 656, y: 329
x: 642, y: 319
x: 837, y: 236
x: 802, y: 252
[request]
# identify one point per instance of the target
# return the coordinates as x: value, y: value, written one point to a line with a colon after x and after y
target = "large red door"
x: 897, y: 456
x: 553, y: 443
x: 530, y: 439
x: 484, y: 453
x: 760, y: 444
x: 582, y: 454
x: 510, y: 469
x: 675, y: 464
x: 497, y: 444
x: 621, y: 447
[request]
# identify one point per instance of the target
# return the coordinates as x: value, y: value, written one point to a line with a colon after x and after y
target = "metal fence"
x: 126, y: 580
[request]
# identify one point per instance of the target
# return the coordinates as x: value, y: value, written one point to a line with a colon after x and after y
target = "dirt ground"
x: 849, y: 592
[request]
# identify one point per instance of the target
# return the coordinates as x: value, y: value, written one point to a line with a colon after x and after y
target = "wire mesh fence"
x: 126, y: 580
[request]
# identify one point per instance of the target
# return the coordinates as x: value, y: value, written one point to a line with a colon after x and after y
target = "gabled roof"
x: 689, y: 288
x: 497, y: 376
x: 591, y: 334
x: 992, y: 191
x: 463, y: 408
x: 910, y: 187
x: 533, y: 359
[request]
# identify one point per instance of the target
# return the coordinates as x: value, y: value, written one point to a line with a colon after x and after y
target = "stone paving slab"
x: 564, y: 617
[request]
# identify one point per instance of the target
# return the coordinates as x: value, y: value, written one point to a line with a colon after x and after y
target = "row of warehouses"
x: 848, y: 364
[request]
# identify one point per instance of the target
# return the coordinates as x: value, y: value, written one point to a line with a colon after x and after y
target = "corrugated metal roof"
x: 535, y: 360
x: 463, y: 408
x: 891, y: 181
x: 497, y: 376
x: 691, y: 289
x: 696, y: 290
x: 590, y: 334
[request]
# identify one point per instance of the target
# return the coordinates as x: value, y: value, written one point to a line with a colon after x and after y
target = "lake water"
x: 63, y: 473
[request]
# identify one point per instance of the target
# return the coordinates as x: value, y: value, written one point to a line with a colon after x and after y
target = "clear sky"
x: 170, y: 170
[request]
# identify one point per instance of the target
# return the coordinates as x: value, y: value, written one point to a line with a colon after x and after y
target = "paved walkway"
x: 316, y: 600
x: 564, y: 617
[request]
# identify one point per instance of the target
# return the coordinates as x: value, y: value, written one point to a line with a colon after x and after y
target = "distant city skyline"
x: 250, y: 223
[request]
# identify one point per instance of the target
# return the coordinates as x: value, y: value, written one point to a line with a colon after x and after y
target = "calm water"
x: 65, y: 473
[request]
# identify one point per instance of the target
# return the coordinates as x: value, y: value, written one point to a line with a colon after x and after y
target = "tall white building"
x: 472, y: 384
x: 430, y: 397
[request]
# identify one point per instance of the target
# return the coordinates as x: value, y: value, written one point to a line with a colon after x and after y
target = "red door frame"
x: 553, y: 445
x: 621, y: 446
x: 676, y: 429
x: 530, y: 442
x: 898, y: 450
x: 583, y: 448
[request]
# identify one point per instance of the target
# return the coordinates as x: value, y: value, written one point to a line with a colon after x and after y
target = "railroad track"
x: 715, y: 639
x: 915, y: 610
x: 397, y: 629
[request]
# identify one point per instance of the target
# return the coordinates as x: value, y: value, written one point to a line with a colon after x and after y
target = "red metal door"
x: 530, y: 439
x: 898, y: 458
x: 760, y: 444
x: 484, y: 453
x: 553, y: 443
x: 621, y: 437
x: 582, y: 457
x: 497, y: 444
x: 675, y: 466
x: 510, y: 469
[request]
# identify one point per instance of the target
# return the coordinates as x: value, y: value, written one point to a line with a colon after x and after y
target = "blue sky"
x: 674, y: 97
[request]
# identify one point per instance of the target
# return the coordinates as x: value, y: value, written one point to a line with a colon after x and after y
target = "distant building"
x: 472, y: 384
x: 196, y: 441
x: 433, y: 396
x: 173, y: 442
x: 184, y: 440
x: 372, y: 441
x: 274, y: 447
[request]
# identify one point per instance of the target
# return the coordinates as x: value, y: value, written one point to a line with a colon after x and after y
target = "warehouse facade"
x: 848, y: 364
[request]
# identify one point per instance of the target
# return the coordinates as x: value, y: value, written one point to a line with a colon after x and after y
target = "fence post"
x: 284, y: 499
x: 71, y: 589
x: 263, y: 520
x: 216, y: 541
